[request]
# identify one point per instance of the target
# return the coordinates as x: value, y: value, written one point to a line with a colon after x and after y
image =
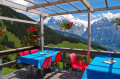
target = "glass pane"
x: 45, y: 10
x: 79, y: 5
x: 113, y: 3
x: 55, y: 9
x: 97, y: 3
x: 67, y: 7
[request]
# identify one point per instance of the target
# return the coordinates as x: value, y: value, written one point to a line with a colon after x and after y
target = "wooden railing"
x: 65, y: 50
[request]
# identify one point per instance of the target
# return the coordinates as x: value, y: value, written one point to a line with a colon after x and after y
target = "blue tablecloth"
x: 37, y: 59
x: 99, y: 70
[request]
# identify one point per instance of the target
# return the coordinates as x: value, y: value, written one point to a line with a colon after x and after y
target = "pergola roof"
x: 45, y: 4
x: 34, y: 8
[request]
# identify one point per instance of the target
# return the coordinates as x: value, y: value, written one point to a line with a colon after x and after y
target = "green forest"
x: 16, y: 35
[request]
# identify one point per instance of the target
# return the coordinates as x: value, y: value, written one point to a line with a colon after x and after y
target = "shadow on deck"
x: 56, y: 74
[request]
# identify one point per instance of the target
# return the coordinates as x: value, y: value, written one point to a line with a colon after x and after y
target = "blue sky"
x: 83, y: 16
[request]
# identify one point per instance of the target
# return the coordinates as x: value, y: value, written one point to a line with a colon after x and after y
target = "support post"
x: 1, y: 73
x: 89, y: 37
x: 41, y: 32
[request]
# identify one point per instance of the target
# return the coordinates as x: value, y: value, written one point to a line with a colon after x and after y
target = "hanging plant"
x: 66, y: 25
x: 33, y: 32
x: 116, y: 22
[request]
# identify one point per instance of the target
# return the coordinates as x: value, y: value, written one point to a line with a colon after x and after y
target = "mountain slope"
x: 11, y: 37
x: 105, y: 34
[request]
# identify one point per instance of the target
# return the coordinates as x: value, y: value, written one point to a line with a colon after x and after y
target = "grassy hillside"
x: 71, y: 45
x: 12, y: 37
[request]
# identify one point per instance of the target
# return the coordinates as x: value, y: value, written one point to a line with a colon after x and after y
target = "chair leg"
x: 51, y: 69
x: 26, y: 73
x: 42, y: 73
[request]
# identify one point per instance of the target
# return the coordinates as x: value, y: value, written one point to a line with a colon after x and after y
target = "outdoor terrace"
x: 67, y: 72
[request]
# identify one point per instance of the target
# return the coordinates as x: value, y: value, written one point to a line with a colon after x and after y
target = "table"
x: 37, y: 59
x: 99, y: 70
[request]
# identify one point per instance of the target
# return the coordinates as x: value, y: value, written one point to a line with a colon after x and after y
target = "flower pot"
x: 68, y: 26
x: 33, y: 36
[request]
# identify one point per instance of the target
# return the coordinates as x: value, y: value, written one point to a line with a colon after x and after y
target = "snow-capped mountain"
x: 105, y: 34
x: 79, y: 27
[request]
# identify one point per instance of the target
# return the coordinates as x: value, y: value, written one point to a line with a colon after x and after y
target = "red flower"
x: 32, y: 28
x: 28, y: 29
x: 37, y: 29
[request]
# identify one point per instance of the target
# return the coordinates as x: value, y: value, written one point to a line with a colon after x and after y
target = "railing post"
x: 1, y: 73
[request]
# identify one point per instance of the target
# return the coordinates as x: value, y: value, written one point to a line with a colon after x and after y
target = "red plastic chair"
x: 34, y: 51
x: 46, y: 64
x: 58, y: 57
x: 83, y: 66
x: 26, y: 52
x: 76, y: 64
x: 21, y: 53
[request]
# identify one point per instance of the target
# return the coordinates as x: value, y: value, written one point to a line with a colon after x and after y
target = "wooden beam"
x: 84, y: 11
x: 21, y: 7
x: 50, y: 4
x: 87, y: 4
x: 57, y: 6
x: 73, y: 5
x: 30, y: 1
x: 7, y: 64
x: 109, y: 8
x: 17, y: 20
x: 106, y: 3
x: 70, y: 12
x: 12, y: 51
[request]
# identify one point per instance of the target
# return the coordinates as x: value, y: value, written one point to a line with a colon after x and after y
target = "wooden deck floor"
x: 56, y: 74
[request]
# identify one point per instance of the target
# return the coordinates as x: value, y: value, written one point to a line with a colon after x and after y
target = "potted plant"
x: 33, y: 32
x: 116, y: 21
x: 66, y: 25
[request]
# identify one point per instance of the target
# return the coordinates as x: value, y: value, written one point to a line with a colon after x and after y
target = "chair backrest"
x: 83, y: 66
x: 26, y: 52
x: 74, y: 59
x: 47, y: 62
x: 58, y: 57
x: 34, y: 51
x: 21, y: 53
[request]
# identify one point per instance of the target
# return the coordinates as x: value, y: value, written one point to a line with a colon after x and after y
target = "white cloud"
x: 83, y: 15
x: 110, y: 15
x: 93, y: 15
